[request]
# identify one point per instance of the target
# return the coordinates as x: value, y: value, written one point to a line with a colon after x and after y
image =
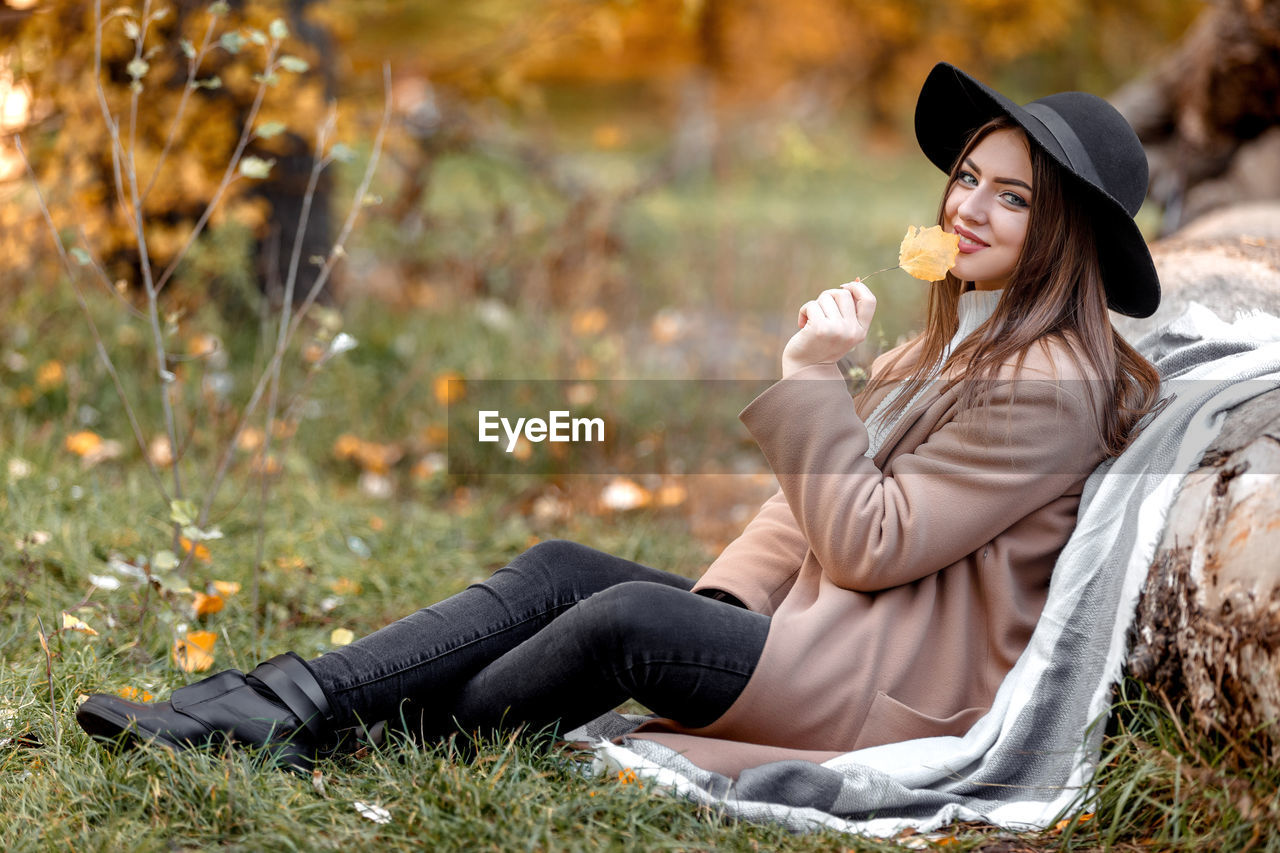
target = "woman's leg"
x: 427, y: 657
x: 494, y: 646
x: 684, y: 656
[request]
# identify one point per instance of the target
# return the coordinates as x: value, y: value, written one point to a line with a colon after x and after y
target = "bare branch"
x: 224, y: 464
x: 246, y: 133
x: 101, y: 347
x: 193, y: 68
x: 102, y: 275
x: 136, y: 220
x: 48, y: 668
x: 135, y: 91
x: 318, y: 163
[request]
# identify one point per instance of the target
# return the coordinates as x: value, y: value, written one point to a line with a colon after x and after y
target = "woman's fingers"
x: 830, y: 326
x: 833, y: 304
x: 809, y: 310
x: 830, y: 306
x: 864, y: 301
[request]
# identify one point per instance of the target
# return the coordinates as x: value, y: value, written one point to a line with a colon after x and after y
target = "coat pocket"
x: 890, y: 721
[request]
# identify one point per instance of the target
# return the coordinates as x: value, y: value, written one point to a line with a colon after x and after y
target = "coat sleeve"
x: 982, y: 469
x: 761, y: 564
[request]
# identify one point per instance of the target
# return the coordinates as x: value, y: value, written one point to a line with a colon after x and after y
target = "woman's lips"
x: 968, y: 242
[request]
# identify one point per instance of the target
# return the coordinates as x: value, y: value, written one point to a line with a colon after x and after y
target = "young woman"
x: 893, y: 580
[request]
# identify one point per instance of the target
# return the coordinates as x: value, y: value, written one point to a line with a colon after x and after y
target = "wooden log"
x: 1207, y: 631
x: 1207, y: 113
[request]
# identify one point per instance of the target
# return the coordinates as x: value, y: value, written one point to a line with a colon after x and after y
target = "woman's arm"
x: 760, y: 565
x: 984, y: 468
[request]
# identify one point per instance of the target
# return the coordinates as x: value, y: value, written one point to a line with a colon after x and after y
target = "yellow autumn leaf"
x: 194, y: 652
x: 83, y: 443
x: 928, y: 253
x: 202, y: 552
x: 345, y: 586
x: 226, y: 589
x: 589, y: 321
x: 250, y: 439
x: 50, y: 375
x: 346, y: 446
x: 341, y: 636
x: 206, y: 605
x: 133, y: 694
x: 449, y: 387
x: 672, y: 494
x: 73, y: 623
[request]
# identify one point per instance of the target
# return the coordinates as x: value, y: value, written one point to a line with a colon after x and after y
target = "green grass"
x: 337, y: 557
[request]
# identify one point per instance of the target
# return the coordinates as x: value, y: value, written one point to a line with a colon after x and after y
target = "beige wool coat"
x: 902, y: 588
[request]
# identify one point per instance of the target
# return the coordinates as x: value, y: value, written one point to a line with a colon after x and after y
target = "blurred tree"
x: 865, y: 52
x: 48, y: 47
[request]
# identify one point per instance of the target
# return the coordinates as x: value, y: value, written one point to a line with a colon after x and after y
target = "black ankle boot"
x: 279, y: 706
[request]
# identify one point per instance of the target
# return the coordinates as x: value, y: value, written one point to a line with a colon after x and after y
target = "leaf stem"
x: 877, y: 272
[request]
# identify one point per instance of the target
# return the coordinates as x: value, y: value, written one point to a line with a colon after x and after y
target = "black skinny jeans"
x: 561, y: 635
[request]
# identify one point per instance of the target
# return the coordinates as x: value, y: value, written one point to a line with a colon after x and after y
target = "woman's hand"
x: 830, y: 326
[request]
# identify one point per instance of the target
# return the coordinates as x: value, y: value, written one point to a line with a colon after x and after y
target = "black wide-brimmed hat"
x: 1082, y: 133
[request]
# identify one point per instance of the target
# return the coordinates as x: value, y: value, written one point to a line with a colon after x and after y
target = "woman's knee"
x: 564, y: 571
x: 633, y: 614
x: 554, y: 554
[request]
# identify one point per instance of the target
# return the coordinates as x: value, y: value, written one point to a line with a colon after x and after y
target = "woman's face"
x: 989, y: 206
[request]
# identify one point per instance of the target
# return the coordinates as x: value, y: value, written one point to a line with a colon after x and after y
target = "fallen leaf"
x: 160, y: 452
x: 430, y: 465
x: 83, y: 443
x: 226, y: 589
x: 203, y: 345
x: 35, y: 537
x: 269, y: 466
x: 449, y: 387
x: 622, y: 494
x: 928, y: 253
x: 202, y: 552
x: 133, y: 694
x: 589, y: 321
x: 376, y: 485
x: 1065, y: 822
x: 74, y: 623
x: 194, y: 652
x: 207, y: 605
x: 250, y: 439
x: 92, y: 448
x: 342, y: 637
x: 346, y: 446
x: 666, y: 326
x: 50, y: 375
x: 345, y: 586
x: 672, y: 494
x: 373, y: 812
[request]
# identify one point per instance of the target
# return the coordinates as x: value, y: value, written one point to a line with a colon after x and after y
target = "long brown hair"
x: 1054, y: 291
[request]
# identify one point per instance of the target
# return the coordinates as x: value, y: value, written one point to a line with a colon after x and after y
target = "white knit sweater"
x: 973, y: 310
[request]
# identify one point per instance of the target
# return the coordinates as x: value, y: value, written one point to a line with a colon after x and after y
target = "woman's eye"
x: 1015, y: 199
x: 967, y: 178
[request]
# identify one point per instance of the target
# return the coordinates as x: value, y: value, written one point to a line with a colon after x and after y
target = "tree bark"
x: 1207, y: 631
